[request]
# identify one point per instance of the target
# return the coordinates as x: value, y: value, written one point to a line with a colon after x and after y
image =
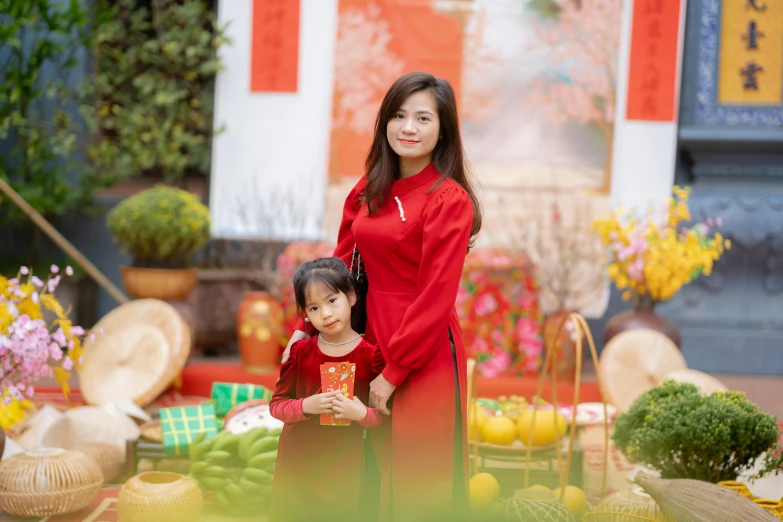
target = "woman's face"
x: 414, y: 129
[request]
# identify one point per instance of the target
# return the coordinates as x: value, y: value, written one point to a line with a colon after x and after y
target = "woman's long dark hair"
x: 382, y: 166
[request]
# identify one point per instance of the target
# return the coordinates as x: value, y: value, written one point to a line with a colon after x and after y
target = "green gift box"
x: 226, y: 395
x: 182, y: 424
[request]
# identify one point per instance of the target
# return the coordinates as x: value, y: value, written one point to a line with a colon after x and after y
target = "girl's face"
x: 414, y: 130
x: 329, y: 311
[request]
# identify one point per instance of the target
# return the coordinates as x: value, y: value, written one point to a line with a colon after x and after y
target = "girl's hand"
x: 298, y: 335
x: 319, y: 404
x: 346, y: 408
x: 380, y: 391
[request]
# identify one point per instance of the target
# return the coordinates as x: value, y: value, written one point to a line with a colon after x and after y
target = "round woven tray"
x: 635, y: 361
x: 143, y: 346
x: 706, y: 383
x: 48, y: 482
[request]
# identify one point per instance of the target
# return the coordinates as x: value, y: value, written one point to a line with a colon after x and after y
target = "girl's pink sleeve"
x: 285, y: 405
x: 345, y: 241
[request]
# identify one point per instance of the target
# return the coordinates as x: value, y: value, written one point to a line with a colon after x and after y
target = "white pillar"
x: 269, y: 165
x: 644, y: 154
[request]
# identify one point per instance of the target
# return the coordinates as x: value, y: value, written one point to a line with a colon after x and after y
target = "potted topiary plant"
x: 682, y: 433
x: 161, y: 228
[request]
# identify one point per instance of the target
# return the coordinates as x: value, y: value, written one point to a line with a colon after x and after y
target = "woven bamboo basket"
x: 773, y: 506
x: 516, y: 503
x: 48, y: 482
x: 110, y: 458
x: 688, y: 500
x: 161, y: 496
x: 541, y: 506
x: 631, y: 505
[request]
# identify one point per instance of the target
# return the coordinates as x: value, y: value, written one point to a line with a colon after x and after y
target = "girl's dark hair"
x: 382, y: 165
x: 328, y: 271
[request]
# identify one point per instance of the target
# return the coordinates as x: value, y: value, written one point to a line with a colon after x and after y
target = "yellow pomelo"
x: 477, y: 416
x: 574, y: 499
x: 484, y: 491
x: 544, y: 429
x: 499, y: 430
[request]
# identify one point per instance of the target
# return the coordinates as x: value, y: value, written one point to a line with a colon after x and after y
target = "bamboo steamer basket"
x: 48, y: 482
x: 144, y: 346
x: 688, y: 500
x: 523, y: 502
x: 634, y: 362
x: 161, y: 496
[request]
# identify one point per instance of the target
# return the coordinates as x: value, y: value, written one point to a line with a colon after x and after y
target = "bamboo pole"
x: 63, y: 243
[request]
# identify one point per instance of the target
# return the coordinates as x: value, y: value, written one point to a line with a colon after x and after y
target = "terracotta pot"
x: 642, y: 316
x: 564, y: 341
x: 259, y: 330
x: 170, y: 284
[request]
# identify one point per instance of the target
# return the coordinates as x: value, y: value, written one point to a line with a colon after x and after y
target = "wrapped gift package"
x: 181, y: 424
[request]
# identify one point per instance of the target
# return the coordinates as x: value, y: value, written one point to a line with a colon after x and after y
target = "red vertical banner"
x: 652, y: 72
x: 274, y: 54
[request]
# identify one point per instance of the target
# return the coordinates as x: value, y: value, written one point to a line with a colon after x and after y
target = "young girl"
x: 319, y: 468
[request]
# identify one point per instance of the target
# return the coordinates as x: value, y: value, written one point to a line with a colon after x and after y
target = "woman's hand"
x: 380, y: 391
x: 346, y: 408
x: 319, y: 404
x: 298, y: 335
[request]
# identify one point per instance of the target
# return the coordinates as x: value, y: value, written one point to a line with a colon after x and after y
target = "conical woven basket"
x: 48, y: 482
x: 159, y: 496
x: 631, y: 505
x: 688, y: 500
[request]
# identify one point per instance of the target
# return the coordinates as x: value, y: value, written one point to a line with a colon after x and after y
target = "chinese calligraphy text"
x: 275, y: 46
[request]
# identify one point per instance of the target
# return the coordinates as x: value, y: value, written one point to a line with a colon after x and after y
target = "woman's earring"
x: 307, y: 319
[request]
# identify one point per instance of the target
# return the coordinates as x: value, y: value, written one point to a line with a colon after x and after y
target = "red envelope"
x: 337, y: 376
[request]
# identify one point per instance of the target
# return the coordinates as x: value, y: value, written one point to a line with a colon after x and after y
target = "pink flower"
x: 67, y: 364
x: 719, y: 221
x: 54, y: 269
x: 68, y: 270
x: 636, y: 269
x: 497, y: 364
x: 24, y: 270
x: 37, y: 281
x: 710, y: 222
x: 485, y: 304
x: 52, y: 284
x: 527, y: 329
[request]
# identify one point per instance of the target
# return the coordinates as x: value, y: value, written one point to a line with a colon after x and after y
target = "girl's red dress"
x: 413, y: 271
x: 319, y: 470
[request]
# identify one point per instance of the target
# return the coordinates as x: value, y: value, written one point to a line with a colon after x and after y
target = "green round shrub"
x: 682, y: 433
x: 160, y: 227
